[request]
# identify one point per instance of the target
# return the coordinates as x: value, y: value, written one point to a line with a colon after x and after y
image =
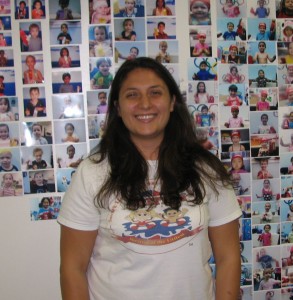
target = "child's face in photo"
x: 204, y: 111
x: 288, y: 31
x: 133, y: 53
x: 21, y: 5
x: 235, y: 139
x: 263, y: 97
x: 232, y: 92
x: 1, y: 79
x: 4, y: 133
x: 229, y: 2
x: 264, y: 164
x: 262, y: 29
x: 38, y: 156
x: 261, y: 3
x: 237, y: 163
x: 3, y: 106
x: 235, y: 113
x: 267, y: 206
x: 100, y: 34
x: 38, y: 5
x: 64, y: 52
x: 104, y: 68
x: 34, y: 94
x: 202, y: 39
x: 199, y: 10
x: 261, y: 74
x: 103, y: 98
x: 290, y: 71
x: 128, y: 27
x: 30, y: 62
x: 102, y: 8
x: 37, y: 131
x: 38, y: 177
x: 266, y: 184
x: 267, y: 273
x: 2, y: 53
x: 161, y: 28
x: 234, y: 71
x: 8, y: 180
x: 202, y: 66
x: 66, y: 80
x: 69, y: 130
x: 64, y: 29
x: 46, y: 203
x: 34, y: 32
x: 1, y: 37
x: 233, y: 52
x: 261, y: 47
x: 5, y: 159
x: 129, y: 5
x: 163, y: 47
x: 230, y: 27
x: 71, y: 152
x: 264, y: 120
x: 289, y: 4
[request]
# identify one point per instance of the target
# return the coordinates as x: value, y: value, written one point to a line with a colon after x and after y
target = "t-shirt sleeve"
x: 223, y: 208
x: 78, y: 210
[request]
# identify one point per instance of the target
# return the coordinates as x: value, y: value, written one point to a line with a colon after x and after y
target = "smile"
x: 145, y: 117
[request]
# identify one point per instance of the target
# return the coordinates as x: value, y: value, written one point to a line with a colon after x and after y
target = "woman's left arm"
x: 225, y: 244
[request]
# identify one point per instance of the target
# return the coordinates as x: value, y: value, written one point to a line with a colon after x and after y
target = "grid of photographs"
x: 241, y: 101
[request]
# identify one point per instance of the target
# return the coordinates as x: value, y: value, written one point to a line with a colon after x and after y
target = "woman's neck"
x: 149, y: 150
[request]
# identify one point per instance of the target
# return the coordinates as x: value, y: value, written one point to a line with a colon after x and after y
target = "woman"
x: 142, y: 210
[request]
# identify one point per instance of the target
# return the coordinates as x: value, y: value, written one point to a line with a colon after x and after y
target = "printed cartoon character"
x: 173, y: 217
x: 142, y: 219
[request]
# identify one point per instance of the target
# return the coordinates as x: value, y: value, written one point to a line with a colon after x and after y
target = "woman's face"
x: 145, y: 105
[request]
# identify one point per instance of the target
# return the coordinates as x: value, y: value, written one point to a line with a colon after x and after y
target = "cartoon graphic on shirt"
x: 143, y: 229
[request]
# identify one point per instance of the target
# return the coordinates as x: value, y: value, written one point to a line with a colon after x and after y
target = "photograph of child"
x: 46, y: 208
x: 202, y: 92
x: 162, y: 28
x: 9, y: 109
x: 96, y: 126
x: 262, y: 52
x: 72, y: 131
x: 64, y: 177
x: 5, y: 39
x: 30, y: 37
x: 231, y: 9
x: 286, y: 233
x: 285, y: 74
x: 68, y: 106
x: 101, y: 73
x: 32, y: 68
x: 65, y: 57
x: 160, y: 8
x: 65, y: 82
x: 230, y: 52
x: 285, y: 52
x: 38, y: 9
x: 265, y: 212
x: 129, y: 29
x: 9, y: 159
x: 7, y: 83
x: 231, y: 29
x: 5, y: 7
x: 97, y: 102
x: 202, y: 69
x: 265, y: 167
x: 9, y: 134
x: 234, y: 117
x: 260, y: 9
x: 65, y: 10
x: 34, y: 101
x: 100, y: 44
x: 262, y: 29
x: 39, y: 181
x: 129, y: 8
x: 6, y: 58
x: 262, y: 76
x: 231, y: 73
x: 70, y: 155
x: 10, y: 184
x: 164, y: 51
x: 128, y: 51
x: 35, y: 134
x: 200, y: 42
x: 265, y: 235
x: 263, y: 99
x: 21, y: 9
x: 65, y: 32
x: 37, y: 157
x: 100, y: 12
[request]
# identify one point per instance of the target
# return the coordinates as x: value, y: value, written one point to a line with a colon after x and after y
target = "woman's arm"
x: 225, y: 244
x: 75, y: 250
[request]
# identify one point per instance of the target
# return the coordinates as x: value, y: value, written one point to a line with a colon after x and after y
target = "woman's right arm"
x: 75, y: 250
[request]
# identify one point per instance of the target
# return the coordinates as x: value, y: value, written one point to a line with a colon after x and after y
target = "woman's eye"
x: 131, y: 95
x: 156, y: 93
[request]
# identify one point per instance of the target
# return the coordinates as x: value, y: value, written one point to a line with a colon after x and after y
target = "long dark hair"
x: 183, y: 164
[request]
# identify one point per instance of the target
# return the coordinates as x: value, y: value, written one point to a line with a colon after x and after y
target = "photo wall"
x: 238, y: 86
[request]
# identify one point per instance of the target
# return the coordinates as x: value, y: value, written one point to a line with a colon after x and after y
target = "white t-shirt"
x: 157, y: 254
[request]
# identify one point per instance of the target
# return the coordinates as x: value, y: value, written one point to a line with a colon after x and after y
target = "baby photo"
x: 262, y: 52
x: 265, y: 212
x: 245, y: 206
x: 30, y: 37
x: 21, y: 9
x: 101, y: 73
x: 241, y: 184
x: 34, y: 100
x: 164, y: 51
x: 32, y: 69
x: 99, y: 12
x: 286, y: 233
x: 9, y: 134
x: 68, y: 106
x: 261, y: 76
x: 234, y: 117
x: 265, y: 167
x: 286, y: 209
x: 233, y: 94
x: 129, y: 8
x: 97, y: 102
x: 11, y: 184
x: 65, y: 32
x: 265, y: 190
x: 129, y: 29
x: 231, y: 9
x: 285, y: 52
x: 38, y: 9
x: 6, y: 58
x: 46, y: 208
x: 65, y: 57
x: 284, y: 30
x: 72, y: 131
x: 230, y: 52
x: 204, y: 115
x: 9, y: 159
x: 5, y: 23
x: 38, y: 157
x: 66, y: 82
x: 245, y: 229
x: 5, y: 7
x: 9, y: 109
x: 262, y: 29
x: 265, y: 258
x: 162, y: 28
x: 286, y: 164
x: 202, y: 92
x: 264, y: 145
x: 263, y: 99
x: 264, y: 122
x: 5, y: 39
x: 39, y: 181
x: 7, y: 83
x: 36, y: 133
x: 70, y: 155
x: 265, y: 235
x: 65, y: 10
x: 160, y: 8
x: 64, y: 177
x: 286, y: 186
x: 260, y: 9
x: 200, y: 41
x: 208, y: 137
x: 238, y: 163
x: 96, y: 126
x: 129, y: 50
x: 232, y: 74
x: 285, y: 74
x: 100, y: 41
x: 231, y: 29
x: 202, y: 69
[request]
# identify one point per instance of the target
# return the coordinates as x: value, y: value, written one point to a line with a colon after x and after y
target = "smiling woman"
x: 149, y: 203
